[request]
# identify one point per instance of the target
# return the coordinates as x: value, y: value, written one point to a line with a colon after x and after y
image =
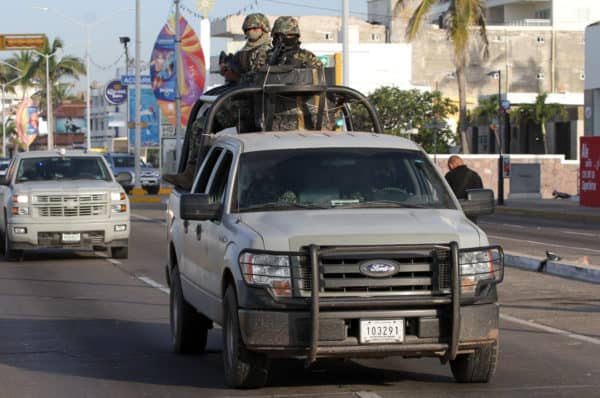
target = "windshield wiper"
x: 282, y: 206
x: 373, y: 204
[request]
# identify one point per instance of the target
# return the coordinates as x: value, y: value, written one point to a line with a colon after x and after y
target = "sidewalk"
x: 553, y: 209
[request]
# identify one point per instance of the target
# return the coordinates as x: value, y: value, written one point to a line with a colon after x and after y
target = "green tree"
x: 399, y: 110
x: 540, y: 113
x: 59, y: 69
x: 461, y: 16
x: 25, y: 62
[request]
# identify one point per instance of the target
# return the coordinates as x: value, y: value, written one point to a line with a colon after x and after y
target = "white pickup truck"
x: 58, y: 199
x: 326, y: 242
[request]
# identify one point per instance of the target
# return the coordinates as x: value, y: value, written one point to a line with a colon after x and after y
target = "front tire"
x: 9, y: 253
x: 243, y: 368
x: 189, y: 329
x: 477, y: 367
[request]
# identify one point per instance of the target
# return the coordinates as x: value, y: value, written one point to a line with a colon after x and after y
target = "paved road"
x: 575, y: 242
x: 79, y: 325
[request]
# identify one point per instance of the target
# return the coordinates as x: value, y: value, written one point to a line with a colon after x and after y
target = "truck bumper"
x: 25, y: 236
x: 285, y: 334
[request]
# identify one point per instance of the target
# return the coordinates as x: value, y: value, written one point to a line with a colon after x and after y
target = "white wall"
x: 373, y: 65
x: 575, y: 14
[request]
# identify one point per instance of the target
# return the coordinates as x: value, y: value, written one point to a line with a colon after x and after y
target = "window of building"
x: 543, y: 14
x: 581, y: 76
x: 540, y: 40
x: 375, y: 36
x: 540, y: 76
x: 328, y: 36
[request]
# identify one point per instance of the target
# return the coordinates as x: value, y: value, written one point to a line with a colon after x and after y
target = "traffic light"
x: 28, y: 41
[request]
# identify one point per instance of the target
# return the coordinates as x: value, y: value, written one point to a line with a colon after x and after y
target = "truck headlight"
x: 480, y: 266
x: 20, y: 199
x: 268, y: 270
x: 116, y: 196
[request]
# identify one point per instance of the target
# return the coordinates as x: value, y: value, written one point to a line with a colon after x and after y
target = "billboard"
x: 70, y: 125
x: 164, y: 68
x: 149, y: 115
x: 27, y: 122
x: 589, y: 169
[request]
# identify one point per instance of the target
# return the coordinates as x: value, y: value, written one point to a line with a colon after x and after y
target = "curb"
x: 566, y: 215
x: 570, y: 271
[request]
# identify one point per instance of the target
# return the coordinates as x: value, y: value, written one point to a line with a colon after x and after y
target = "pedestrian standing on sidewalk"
x: 460, y: 177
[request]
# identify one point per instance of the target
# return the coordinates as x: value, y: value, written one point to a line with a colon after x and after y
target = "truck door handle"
x: 198, y: 231
x: 186, y: 224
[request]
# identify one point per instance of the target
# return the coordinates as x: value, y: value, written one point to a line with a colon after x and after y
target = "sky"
x: 107, y: 20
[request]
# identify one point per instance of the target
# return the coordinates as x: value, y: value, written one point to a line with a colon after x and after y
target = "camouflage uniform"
x: 286, y: 46
x: 254, y: 54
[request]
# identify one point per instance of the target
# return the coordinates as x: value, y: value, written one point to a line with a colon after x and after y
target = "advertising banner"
x: 27, y: 122
x: 589, y: 169
x: 70, y: 125
x: 150, y: 119
x: 191, y: 67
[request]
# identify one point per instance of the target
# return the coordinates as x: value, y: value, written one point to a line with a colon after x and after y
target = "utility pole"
x: 500, y: 137
x: 177, y: 85
x: 49, y: 117
x: 125, y: 41
x: 138, y: 94
x: 346, y: 43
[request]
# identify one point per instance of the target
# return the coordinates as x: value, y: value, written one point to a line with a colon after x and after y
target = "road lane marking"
x: 550, y: 329
x: 366, y: 394
x: 580, y: 233
x: 144, y: 218
x: 154, y: 284
x: 543, y: 243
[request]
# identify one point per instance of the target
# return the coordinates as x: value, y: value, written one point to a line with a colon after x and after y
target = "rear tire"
x: 119, y: 252
x: 478, y: 367
x: 189, y: 329
x: 243, y: 368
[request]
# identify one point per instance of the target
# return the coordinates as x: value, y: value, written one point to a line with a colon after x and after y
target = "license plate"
x: 66, y: 237
x: 382, y: 331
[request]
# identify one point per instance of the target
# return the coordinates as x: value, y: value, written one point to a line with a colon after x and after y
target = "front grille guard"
x: 316, y: 251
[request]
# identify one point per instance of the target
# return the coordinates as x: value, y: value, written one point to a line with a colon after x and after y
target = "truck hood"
x: 290, y: 230
x: 66, y: 186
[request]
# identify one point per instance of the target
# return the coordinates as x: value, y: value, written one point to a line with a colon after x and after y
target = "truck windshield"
x: 339, y: 178
x: 62, y: 168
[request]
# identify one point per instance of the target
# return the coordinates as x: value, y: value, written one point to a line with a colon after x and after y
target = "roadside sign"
x: 29, y: 41
x: 324, y: 60
x: 589, y: 172
x: 115, y: 92
x: 129, y: 80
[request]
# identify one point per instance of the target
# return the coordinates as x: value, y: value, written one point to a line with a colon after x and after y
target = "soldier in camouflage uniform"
x: 286, y: 46
x: 253, y: 55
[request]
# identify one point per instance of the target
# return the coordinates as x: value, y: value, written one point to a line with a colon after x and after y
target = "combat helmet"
x: 256, y: 20
x: 286, y: 26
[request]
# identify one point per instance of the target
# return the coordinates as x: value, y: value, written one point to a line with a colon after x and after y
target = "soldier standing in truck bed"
x: 253, y: 55
x: 286, y: 46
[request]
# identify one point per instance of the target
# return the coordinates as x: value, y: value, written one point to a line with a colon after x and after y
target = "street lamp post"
x: 125, y: 41
x: 49, y: 117
x: 499, y: 134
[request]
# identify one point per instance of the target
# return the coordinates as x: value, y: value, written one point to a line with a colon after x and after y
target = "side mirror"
x: 197, y: 206
x: 123, y: 178
x: 479, y: 202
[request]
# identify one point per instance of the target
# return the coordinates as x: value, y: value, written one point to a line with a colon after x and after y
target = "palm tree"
x: 541, y: 114
x: 25, y: 62
x: 58, y: 69
x: 461, y: 16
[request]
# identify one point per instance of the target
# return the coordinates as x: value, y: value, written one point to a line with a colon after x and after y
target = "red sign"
x: 589, y: 172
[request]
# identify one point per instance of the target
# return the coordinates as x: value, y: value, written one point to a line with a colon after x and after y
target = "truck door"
x: 193, y: 252
x: 214, y: 233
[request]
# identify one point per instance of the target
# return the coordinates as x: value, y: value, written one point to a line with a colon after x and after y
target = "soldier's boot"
x: 183, y: 180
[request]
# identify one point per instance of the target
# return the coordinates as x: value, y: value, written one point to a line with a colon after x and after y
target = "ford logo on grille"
x: 379, y: 268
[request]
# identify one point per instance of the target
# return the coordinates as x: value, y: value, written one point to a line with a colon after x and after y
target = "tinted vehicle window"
x: 125, y: 161
x: 339, y: 178
x: 62, y: 168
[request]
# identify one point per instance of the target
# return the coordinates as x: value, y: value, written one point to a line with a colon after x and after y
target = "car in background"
x: 62, y: 199
x: 4, y: 163
x: 121, y: 163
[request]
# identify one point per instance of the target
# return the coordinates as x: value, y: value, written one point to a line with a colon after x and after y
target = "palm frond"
x: 417, y: 18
